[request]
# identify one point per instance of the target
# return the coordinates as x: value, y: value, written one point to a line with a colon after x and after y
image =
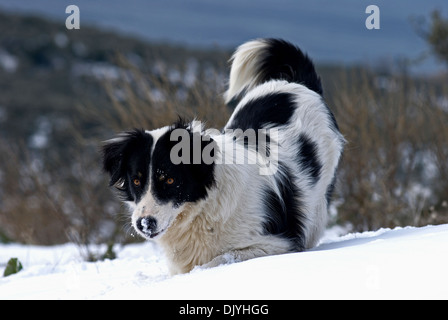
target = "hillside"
x: 56, y: 106
x: 403, y: 263
x: 47, y: 71
x: 64, y: 92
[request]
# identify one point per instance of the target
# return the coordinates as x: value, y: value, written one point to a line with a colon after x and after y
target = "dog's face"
x: 141, y: 169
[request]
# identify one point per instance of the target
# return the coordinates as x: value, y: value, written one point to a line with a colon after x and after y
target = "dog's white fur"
x: 243, y: 75
x: 227, y: 225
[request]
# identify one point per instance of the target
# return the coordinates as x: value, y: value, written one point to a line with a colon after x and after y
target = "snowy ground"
x: 403, y: 263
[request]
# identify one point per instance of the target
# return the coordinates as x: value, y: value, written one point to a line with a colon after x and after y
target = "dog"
x: 270, y: 196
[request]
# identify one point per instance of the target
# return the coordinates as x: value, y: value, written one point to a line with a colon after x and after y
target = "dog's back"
x: 275, y: 86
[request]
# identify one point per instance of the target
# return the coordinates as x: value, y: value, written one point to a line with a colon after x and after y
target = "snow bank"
x: 403, y: 263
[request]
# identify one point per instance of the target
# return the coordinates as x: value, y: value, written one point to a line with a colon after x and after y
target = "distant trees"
x: 436, y: 34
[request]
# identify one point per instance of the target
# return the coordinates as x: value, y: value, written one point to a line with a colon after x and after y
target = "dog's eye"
x: 136, y: 182
x: 170, y: 181
x: 162, y: 177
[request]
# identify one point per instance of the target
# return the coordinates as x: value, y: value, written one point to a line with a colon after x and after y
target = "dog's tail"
x: 261, y: 60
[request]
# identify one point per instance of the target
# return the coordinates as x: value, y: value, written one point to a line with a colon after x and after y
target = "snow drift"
x: 403, y: 263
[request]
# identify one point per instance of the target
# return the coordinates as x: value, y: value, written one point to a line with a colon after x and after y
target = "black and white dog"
x: 260, y: 186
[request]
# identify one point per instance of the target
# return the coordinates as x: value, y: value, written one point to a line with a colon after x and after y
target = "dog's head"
x: 158, y: 172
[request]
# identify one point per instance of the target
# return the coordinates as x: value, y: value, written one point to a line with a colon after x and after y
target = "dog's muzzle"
x: 147, y: 226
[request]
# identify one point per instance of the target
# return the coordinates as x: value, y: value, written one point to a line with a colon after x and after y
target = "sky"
x: 329, y: 30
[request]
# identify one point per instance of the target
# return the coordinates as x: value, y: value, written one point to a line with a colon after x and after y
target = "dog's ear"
x: 113, y: 151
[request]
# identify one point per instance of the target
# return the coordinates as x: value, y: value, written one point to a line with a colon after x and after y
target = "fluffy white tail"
x: 261, y: 60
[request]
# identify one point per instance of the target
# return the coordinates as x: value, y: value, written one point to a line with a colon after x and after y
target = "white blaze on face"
x: 164, y: 214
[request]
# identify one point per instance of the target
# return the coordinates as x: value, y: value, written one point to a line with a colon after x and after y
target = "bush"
x: 395, y: 164
x: 13, y: 266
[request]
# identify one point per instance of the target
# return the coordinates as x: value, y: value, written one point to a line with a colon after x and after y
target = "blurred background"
x: 140, y: 63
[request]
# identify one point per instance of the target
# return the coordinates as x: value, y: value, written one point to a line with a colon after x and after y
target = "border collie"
x: 207, y: 212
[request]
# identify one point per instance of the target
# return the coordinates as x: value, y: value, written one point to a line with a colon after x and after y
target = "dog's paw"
x: 226, y: 258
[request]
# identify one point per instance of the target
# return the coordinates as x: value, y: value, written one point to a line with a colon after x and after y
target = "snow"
x: 403, y: 263
x: 8, y: 62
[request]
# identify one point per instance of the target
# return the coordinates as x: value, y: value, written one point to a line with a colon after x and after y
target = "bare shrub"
x: 149, y: 101
x: 395, y: 161
x: 54, y: 201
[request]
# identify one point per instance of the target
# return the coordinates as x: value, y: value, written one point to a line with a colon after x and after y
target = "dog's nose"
x: 147, y: 225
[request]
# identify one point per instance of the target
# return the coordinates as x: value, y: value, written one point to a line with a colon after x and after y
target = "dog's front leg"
x: 226, y: 258
x: 237, y: 256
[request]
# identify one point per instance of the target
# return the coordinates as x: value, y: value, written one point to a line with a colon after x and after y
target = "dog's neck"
x: 190, y: 239
x: 194, y: 238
